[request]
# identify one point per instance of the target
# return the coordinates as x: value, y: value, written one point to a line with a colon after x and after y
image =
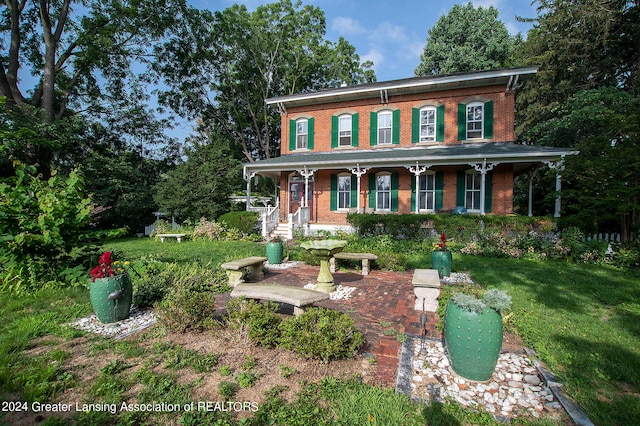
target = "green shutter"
x: 415, y: 125
x: 395, y: 130
x: 460, y: 190
x: 373, y: 129
x: 333, y: 195
x: 354, y: 191
x: 334, y: 132
x: 462, y: 122
x: 310, y: 135
x: 394, y: 192
x: 372, y: 191
x: 292, y: 135
x: 488, y: 120
x: 439, y: 190
x: 354, y: 130
x: 488, y: 190
x: 440, y: 124
x: 413, y: 194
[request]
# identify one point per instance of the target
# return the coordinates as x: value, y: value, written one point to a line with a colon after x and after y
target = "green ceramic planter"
x: 274, y: 252
x: 111, y: 298
x: 441, y: 262
x: 473, y: 341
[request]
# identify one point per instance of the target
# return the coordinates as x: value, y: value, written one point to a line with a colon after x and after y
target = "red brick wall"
x: 503, y: 127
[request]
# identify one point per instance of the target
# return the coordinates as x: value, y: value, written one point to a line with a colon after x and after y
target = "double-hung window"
x: 383, y: 192
x: 428, y: 124
x: 345, y: 130
x: 344, y: 192
x: 473, y: 181
x: 302, y: 134
x: 426, y: 192
x: 385, y: 120
x: 475, y: 120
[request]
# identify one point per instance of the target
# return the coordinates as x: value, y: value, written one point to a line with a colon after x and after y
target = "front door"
x: 296, y: 194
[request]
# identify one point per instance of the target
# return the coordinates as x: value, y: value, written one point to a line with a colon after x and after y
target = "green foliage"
x: 177, y: 357
x: 227, y: 390
x: 201, y: 186
x: 245, y: 222
x: 467, y: 39
x: 246, y: 379
x: 260, y: 319
x: 40, y: 223
x: 493, y: 298
x: 321, y: 333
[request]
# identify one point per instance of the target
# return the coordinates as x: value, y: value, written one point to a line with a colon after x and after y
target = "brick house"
x: 418, y: 145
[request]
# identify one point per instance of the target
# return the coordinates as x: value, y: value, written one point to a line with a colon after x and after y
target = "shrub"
x: 392, y: 261
x: 321, y: 333
x: 227, y: 389
x: 261, y: 320
x: 209, y: 230
x: 245, y: 222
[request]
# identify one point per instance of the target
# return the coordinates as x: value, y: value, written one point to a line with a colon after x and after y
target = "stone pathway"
x: 138, y: 320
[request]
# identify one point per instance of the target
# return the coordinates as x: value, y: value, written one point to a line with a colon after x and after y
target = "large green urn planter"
x: 473, y: 333
x: 274, y: 252
x: 441, y: 261
x: 111, y: 298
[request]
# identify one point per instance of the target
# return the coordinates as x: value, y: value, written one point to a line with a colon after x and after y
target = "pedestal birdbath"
x: 324, y: 250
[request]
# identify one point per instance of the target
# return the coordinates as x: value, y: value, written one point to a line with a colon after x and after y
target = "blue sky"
x: 392, y: 34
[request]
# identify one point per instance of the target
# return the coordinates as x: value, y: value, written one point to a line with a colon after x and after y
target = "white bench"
x: 298, y: 297
x: 364, y: 257
x: 426, y: 287
x: 176, y: 236
x: 235, y: 269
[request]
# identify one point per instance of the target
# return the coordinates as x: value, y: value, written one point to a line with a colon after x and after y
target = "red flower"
x: 104, y: 269
x: 442, y: 245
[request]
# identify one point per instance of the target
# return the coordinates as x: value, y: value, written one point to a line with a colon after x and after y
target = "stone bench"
x: 176, y: 236
x: 298, y: 297
x: 364, y: 257
x: 426, y: 287
x: 235, y: 269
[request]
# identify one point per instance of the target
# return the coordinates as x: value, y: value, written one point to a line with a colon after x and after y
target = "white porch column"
x: 559, y: 166
x: 417, y: 170
x: 483, y: 169
x: 358, y: 172
x: 248, y: 178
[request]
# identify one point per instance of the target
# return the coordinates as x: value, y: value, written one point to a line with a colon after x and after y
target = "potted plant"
x: 473, y: 332
x: 274, y: 250
x: 111, y: 290
x: 441, y: 258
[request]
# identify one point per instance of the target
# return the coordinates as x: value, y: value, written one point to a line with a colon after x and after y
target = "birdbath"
x: 324, y: 250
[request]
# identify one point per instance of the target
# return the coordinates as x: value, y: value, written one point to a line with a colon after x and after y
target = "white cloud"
x: 374, y: 55
x: 389, y: 32
x: 346, y: 26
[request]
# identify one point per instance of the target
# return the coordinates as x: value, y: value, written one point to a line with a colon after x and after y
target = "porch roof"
x: 437, y: 155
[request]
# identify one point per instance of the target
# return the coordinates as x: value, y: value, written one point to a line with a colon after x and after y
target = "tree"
x: 222, y: 71
x: 201, y: 186
x: 578, y: 45
x: 604, y: 179
x: 85, y: 58
x: 467, y: 39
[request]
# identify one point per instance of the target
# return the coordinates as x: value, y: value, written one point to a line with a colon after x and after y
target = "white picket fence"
x: 609, y: 238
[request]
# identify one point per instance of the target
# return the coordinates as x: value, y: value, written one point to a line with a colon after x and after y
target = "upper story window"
x: 427, y: 124
x: 344, y: 130
x: 385, y: 121
x: 475, y: 120
x: 302, y: 134
x: 345, y: 127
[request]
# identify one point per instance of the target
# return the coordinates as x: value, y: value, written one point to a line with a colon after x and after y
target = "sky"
x: 390, y: 33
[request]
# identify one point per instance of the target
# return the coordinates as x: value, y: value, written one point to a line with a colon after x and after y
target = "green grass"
x: 584, y: 323
x: 202, y: 252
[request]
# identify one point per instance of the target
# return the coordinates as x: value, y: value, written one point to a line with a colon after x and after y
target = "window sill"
x: 472, y: 141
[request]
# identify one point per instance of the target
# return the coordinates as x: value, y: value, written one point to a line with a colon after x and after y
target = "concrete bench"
x: 176, y: 236
x: 235, y: 269
x: 426, y: 287
x: 298, y: 297
x: 364, y: 257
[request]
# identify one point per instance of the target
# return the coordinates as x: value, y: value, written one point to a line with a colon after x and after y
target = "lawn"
x: 583, y: 321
